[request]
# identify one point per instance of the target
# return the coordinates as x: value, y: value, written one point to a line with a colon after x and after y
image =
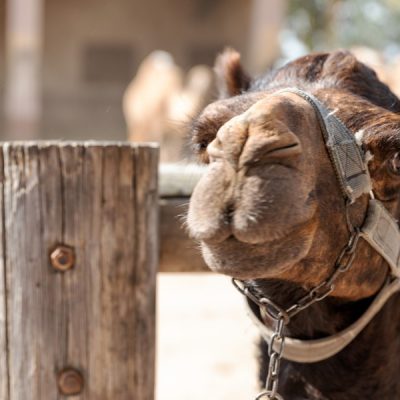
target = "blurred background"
x: 139, y: 70
x: 65, y: 65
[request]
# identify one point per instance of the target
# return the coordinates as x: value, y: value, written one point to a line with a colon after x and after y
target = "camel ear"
x: 231, y: 78
x: 340, y: 63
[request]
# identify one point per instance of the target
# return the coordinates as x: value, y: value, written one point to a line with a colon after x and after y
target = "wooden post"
x: 24, y: 42
x: 78, y: 261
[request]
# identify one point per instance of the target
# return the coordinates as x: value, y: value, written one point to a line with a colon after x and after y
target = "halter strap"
x: 380, y: 229
x: 310, y: 351
x: 346, y: 155
x: 382, y: 232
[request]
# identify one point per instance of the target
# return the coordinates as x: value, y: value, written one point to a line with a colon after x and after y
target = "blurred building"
x: 67, y: 63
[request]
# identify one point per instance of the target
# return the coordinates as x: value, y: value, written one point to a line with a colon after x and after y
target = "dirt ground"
x: 206, y: 342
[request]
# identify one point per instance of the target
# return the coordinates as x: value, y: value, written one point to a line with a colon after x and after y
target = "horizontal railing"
x: 178, y: 252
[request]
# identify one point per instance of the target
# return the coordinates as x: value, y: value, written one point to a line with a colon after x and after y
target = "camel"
x: 273, y: 213
x: 161, y: 99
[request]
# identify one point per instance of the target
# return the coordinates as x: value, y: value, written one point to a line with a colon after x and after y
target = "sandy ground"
x: 206, y: 342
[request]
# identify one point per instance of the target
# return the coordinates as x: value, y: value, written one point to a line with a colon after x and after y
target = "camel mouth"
x: 271, y: 238
x: 267, y: 258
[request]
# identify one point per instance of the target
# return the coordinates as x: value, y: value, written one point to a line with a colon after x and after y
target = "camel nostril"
x: 228, y: 214
x: 214, y: 150
x: 268, y: 151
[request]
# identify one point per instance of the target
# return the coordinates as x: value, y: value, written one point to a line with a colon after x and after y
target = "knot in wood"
x: 70, y: 382
x: 62, y: 258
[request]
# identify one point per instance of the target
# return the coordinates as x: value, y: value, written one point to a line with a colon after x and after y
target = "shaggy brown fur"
x: 269, y: 210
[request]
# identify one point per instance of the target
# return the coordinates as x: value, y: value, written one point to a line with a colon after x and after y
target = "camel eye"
x: 200, y: 147
x: 394, y: 164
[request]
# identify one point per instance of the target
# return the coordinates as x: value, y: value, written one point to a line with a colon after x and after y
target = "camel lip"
x: 218, y: 256
x: 255, y: 261
x: 247, y: 265
x: 293, y: 230
x: 233, y: 239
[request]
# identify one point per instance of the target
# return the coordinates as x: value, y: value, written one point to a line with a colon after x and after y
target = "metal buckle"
x: 274, y: 311
x: 267, y: 394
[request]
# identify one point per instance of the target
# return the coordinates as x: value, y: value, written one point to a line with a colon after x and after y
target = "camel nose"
x: 247, y: 141
x: 269, y: 145
x: 229, y: 141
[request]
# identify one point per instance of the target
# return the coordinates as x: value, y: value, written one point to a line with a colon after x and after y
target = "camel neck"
x: 366, y: 368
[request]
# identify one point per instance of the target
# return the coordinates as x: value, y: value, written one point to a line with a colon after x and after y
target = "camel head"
x: 269, y: 205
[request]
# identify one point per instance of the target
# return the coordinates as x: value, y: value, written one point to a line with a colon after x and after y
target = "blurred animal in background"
x: 161, y: 100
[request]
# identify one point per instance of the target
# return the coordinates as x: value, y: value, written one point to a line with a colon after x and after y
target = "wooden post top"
x: 78, y: 143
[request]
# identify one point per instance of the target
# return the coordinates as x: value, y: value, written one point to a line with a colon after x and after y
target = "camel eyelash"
x: 201, y: 139
x: 200, y: 147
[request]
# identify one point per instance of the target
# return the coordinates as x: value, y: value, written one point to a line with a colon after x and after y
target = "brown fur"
x: 269, y: 210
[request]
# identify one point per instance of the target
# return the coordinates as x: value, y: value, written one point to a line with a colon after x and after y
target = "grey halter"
x: 379, y: 229
x: 347, y: 157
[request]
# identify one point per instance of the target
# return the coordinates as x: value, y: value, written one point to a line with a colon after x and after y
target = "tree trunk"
x: 78, y: 265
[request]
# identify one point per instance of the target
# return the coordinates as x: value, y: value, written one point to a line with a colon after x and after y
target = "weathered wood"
x: 97, y: 318
x: 178, y: 253
x: 3, y: 308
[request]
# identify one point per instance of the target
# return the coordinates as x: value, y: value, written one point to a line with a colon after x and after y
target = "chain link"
x: 282, y: 317
x: 271, y: 385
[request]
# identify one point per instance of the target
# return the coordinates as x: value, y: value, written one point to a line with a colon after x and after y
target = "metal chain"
x: 271, y: 385
x: 316, y: 294
x: 282, y: 317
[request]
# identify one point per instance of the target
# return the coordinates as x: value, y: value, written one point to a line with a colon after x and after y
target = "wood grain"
x: 4, y: 378
x: 99, y: 317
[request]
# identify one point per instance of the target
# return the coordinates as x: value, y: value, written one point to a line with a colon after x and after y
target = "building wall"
x: 2, y: 62
x: 93, y: 47
x: 2, y: 42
